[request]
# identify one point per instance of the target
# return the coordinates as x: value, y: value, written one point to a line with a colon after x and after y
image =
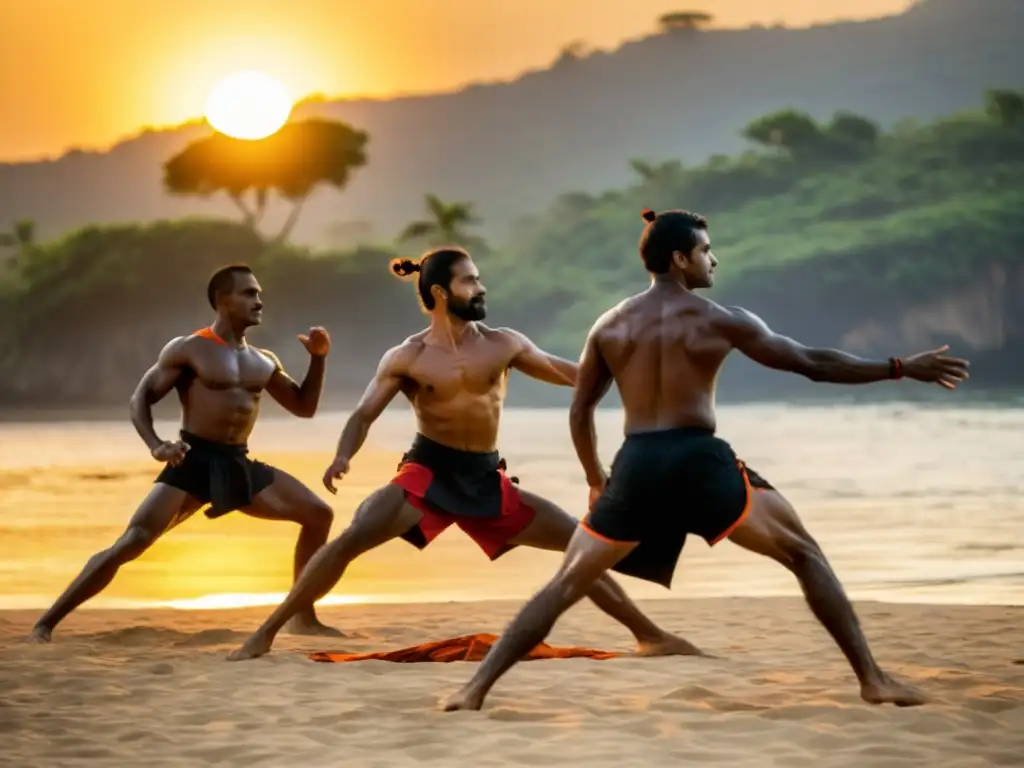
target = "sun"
x: 248, y: 105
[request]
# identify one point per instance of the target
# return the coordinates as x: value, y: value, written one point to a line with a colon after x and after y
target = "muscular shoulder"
x: 177, y: 352
x: 614, y: 320
x: 735, y: 323
x: 397, y: 360
x: 515, y: 340
x: 274, y: 359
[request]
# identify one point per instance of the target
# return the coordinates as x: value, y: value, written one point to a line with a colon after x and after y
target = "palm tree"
x: 20, y: 241
x: 21, y: 236
x: 665, y: 172
x: 444, y: 225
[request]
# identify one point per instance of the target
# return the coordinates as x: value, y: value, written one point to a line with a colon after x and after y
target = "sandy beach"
x: 924, y: 533
x: 124, y: 688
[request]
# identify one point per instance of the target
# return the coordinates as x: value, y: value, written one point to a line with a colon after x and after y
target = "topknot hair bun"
x: 648, y: 215
x: 404, y: 267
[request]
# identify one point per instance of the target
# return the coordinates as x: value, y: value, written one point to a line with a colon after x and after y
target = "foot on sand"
x: 257, y: 645
x: 670, y: 645
x: 463, y: 700
x: 311, y: 626
x: 39, y: 636
x: 888, y: 691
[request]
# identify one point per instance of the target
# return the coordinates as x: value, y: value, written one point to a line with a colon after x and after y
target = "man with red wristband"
x: 673, y: 476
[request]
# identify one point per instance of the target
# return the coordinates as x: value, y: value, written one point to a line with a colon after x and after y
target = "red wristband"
x: 895, y: 368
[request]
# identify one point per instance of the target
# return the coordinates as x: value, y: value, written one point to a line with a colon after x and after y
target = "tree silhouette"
x: 22, y: 235
x: 290, y: 163
x: 571, y: 53
x: 662, y: 183
x: 689, y: 21
x: 444, y: 225
x: 21, y: 240
x: 849, y: 137
x: 667, y: 171
x: 796, y: 132
x: 846, y: 126
x: 1005, y: 106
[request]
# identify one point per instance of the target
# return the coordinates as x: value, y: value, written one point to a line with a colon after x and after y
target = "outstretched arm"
x: 153, y: 387
x: 751, y: 336
x: 387, y: 383
x: 301, y: 399
x: 540, y: 365
x: 592, y: 384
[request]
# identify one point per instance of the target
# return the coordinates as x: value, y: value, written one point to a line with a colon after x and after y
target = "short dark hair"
x: 223, y: 281
x: 666, y: 233
x: 434, y: 268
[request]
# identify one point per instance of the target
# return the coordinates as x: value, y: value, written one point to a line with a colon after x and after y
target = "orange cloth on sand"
x: 465, y: 648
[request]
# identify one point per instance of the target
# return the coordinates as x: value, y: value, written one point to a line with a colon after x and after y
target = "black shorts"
x: 665, y: 485
x: 218, y: 474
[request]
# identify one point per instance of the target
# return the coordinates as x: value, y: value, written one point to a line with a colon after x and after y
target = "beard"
x: 469, y: 311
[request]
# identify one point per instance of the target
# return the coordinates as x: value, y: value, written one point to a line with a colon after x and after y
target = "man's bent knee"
x: 319, y: 516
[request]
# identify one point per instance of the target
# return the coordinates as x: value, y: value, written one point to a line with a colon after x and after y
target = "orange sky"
x: 87, y: 72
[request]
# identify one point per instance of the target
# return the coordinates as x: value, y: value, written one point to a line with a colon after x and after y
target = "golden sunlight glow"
x: 248, y: 105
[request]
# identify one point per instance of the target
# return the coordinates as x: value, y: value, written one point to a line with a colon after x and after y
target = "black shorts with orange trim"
x: 664, y: 486
x: 471, y: 490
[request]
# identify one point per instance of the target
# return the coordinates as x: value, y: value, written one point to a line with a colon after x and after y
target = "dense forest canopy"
x: 828, y: 228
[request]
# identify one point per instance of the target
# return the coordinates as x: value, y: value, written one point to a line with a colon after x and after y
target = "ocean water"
x: 921, y: 503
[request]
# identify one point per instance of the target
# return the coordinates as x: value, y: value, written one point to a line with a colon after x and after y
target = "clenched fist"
x: 171, y: 452
x: 316, y: 342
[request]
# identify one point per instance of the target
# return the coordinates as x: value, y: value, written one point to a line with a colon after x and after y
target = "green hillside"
x: 825, y: 229
x: 872, y: 227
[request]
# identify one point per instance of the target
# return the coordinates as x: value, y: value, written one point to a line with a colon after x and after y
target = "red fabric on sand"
x: 464, y: 648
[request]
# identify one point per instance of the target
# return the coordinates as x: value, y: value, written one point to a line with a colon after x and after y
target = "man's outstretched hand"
x: 316, y: 342
x: 936, y: 367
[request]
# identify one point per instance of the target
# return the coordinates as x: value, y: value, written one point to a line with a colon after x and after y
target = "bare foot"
x: 311, y: 626
x: 888, y: 691
x: 463, y: 700
x: 257, y: 645
x: 39, y: 636
x: 670, y: 645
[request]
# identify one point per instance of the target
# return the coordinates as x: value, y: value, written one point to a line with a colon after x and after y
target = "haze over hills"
x: 512, y: 147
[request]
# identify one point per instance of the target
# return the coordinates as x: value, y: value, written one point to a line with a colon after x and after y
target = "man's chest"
x: 225, y: 368
x: 445, y: 372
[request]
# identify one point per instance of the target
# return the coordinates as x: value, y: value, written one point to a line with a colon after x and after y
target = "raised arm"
x: 153, y: 387
x: 301, y: 399
x: 751, y: 335
x: 592, y: 384
x: 538, y: 364
x: 387, y: 383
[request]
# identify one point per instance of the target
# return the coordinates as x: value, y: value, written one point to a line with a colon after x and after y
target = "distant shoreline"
x: 1000, y: 398
x: 16, y: 607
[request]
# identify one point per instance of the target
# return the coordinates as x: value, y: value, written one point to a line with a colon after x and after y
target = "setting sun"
x: 248, y: 105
